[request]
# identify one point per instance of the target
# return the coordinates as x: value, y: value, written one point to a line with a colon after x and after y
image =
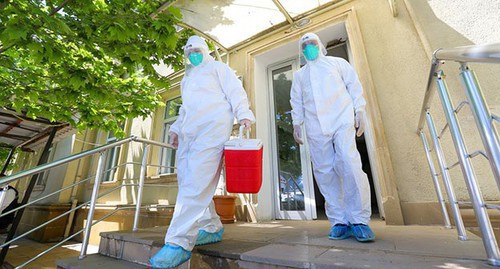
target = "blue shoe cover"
x: 362, y: 232
x: 169, y: 257
x: 205, y: 237
x: 339, y: 232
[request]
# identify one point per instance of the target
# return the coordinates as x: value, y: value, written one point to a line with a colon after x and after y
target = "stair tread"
x: 96, y: 261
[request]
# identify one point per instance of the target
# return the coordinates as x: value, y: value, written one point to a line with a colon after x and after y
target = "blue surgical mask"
x: 311, y: 52
x: 195, y: 58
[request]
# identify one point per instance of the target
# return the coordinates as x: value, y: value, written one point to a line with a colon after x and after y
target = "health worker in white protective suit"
x: 327, y: 98
x: 212, y: 97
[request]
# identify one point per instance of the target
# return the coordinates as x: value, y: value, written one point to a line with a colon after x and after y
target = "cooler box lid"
x: 243, y: 144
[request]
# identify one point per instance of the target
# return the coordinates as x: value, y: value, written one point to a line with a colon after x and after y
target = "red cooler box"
x: 243, y: 158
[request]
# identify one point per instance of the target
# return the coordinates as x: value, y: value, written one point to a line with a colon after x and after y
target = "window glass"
x: 167, y: 160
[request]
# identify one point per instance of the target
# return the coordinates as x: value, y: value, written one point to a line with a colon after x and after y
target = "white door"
x: 292, y: 176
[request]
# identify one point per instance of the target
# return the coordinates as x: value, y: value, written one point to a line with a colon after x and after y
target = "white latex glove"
x: 359, y: 122
x: 247, y: 123
x: 297, y: 134
x: 174, y: 140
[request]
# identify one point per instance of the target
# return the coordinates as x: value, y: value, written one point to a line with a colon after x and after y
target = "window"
x: 43, y: 176
x: 167, y: 159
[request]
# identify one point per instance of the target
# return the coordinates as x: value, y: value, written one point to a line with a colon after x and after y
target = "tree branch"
x: 28, y: 72
x: 54, y: 11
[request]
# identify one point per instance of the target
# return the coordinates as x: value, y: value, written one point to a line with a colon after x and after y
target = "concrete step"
x: 95, y: 261
x: 303, y: 244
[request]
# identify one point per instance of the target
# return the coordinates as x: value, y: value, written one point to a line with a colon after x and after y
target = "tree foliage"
x: 86, y: 62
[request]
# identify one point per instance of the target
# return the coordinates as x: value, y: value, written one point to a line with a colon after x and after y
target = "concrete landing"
x: 304, y: 244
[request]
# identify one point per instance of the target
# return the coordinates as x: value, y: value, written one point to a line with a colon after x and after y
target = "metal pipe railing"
x: 485, y: 125
x: 93, y: 200
x: 476, y: 53
x: 47, y: 166
x: 78, y: 232
x: 462, y: 234
x: 429, y: 93
x: 141, y: 186
x: 479, y: 53
x: 41, y: 225
x: 44, y: 197
x: 476, y: 197
x: 435, y: 180
x: 483, y: 119
x: 95, y: 192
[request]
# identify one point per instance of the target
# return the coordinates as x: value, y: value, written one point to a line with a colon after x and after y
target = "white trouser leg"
x: 329, y: 183
x: 356, y: 187
x: 210, y: 221
x: 199, y: 168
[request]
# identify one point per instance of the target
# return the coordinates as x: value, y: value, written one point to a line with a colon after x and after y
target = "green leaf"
x: 13, y: 33
x: 176, y: 12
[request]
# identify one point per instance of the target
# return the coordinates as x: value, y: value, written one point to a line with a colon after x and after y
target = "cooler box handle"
x: 241, y: 132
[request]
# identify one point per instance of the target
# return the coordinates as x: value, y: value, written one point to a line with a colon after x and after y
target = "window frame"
x: 168, y: 156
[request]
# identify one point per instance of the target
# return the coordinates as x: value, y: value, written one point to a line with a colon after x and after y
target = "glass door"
x: 292, y: 174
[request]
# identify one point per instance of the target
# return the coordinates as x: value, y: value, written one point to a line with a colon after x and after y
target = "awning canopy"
x: 231, y: 23
x: 19, y: 131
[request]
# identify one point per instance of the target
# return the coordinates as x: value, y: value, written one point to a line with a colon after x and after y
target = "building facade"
x: 390, y: 45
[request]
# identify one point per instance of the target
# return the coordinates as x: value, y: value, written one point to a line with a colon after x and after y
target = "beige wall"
x: 447, y: 24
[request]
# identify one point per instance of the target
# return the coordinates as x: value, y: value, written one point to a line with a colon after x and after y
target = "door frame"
x: 309, y: 212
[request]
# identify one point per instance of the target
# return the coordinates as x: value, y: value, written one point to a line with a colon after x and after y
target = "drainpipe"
x: 70, y: 218
x: 74, y: 191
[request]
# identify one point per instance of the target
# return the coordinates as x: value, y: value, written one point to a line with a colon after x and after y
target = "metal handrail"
x: 60, y: 216
x: 429, y: 93
x: 47, y: 166
x: 484, y: 122
x: 46, y: 196
x: 81, y: 230
x: 478, y: 53
x: 95, y: 195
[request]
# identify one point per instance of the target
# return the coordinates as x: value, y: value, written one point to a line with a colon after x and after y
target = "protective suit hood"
x: 196, y: 42
x: 308, y: 37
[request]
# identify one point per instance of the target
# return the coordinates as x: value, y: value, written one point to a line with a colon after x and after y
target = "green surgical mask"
x: 311, y: 52
x: 195, y: 58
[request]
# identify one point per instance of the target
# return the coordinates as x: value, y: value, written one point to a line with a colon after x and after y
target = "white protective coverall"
x: 212, y: 96
x: 325, y: 95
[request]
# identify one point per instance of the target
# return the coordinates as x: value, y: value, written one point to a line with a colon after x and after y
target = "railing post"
x: 141, y: 186
x: 93, y: 200
x: 482, y: 217
x: 462, y: 234
x: 483, y: 119
x: 3, y: 194
x: 446, y: 218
